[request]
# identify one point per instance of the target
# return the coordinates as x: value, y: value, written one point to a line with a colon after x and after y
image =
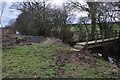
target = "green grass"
x: 29, y: 61
x: 88, y: 72
x: 69, y: 70
x: 38, y: 61
x: 83, y: 27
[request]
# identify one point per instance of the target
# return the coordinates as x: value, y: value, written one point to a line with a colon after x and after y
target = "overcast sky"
x: 9, y: 14
x: 12, y: 14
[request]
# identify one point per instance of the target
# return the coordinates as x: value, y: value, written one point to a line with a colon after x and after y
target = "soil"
x: 79, y: 59
x: 62, y: 57
x: 14, y: 40
x: 51, y: 41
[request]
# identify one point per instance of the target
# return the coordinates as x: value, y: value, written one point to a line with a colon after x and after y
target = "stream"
x: 109, y: 52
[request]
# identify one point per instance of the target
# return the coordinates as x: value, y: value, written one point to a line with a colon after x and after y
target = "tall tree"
x: 107, y: 17
x: 42, y: 16
x: 36, y: 12
x: 91, y: 8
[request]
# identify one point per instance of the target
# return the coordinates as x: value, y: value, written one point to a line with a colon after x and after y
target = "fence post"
x: 86, y: 39
x: 95, y: 38
x: 108, y: 34
x: 117, y: 33
x: 114, y: 35
x: 102, y: 36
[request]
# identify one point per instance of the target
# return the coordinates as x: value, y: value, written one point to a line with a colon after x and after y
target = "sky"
x: 9, y: 14
x: 12, y: 14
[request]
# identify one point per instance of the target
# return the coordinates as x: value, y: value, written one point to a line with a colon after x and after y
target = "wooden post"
x: 117, y: 33
x: 86, y: 39
x: 78, y: 37
x: 114, y: 34
x: 95, y: 38
x: 109, y: 35
x: 103, y: 36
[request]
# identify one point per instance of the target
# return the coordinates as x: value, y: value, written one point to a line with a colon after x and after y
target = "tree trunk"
x: 93, y: 27
x: 92, y: 12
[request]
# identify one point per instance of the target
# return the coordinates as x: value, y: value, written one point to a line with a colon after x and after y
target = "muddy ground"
x: 14, y: 40
x: 80, y: 60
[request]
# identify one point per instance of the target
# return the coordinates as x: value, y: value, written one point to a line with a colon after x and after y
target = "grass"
x: 38, y: 61
x: 29, y: 61
x: 83, y: 27
x: 69, y: 70
x: 88, y: 72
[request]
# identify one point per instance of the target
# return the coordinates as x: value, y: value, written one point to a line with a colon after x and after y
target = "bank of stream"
x: 110, y: 52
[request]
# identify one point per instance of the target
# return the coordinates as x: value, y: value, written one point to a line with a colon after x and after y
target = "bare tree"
x: 106, y: 17
x: 101, y: 14
x: 42, y: 17
x: 36, y: 11
x: 91, y: 9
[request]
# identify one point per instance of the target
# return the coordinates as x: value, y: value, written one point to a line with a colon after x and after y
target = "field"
x: 77, y: 27
x: 53, y: 60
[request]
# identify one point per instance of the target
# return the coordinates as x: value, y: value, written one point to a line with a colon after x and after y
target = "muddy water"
x: 110, y: 52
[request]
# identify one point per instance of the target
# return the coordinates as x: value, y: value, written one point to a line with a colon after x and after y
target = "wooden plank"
x: 87, y: 39
x: 76, y: 50
x: 98, y: 41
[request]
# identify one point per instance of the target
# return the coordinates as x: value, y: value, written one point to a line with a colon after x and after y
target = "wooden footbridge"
x: 99, y: 40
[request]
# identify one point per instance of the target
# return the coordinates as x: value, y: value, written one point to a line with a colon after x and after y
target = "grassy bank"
x: 40, y: 61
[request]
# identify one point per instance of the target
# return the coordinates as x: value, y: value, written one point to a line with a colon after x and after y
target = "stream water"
x: 109, y: 52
